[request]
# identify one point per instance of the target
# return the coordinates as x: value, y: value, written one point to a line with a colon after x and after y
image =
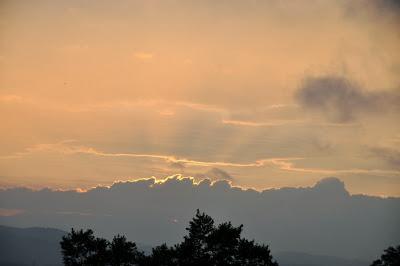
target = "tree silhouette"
x: 161, y: 256
x: 219, y: 246
x: 82, y: 248
x: 390, y: 257
x: 100, y: 254
x: 194, y: 248
x: 78, y: 247
x: 205, y: 245
x: 123, y: 252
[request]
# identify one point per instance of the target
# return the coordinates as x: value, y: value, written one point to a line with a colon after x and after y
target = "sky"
x: 265, y: 94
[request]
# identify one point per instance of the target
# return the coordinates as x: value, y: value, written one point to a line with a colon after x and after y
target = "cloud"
x: 215, y: 174
x: 262, y: 124
x: 9, y: 212
x: 331, y: 186
x: 219, y: 174
x: 177, y: 165
x: 65, y: 166
x: 389, y: 155
x: 138, y: 142
x: 143, y: 56
x: 380, y: 8
x: 67, y: 147
x: 387, y: 6
x: 342, y: 100
x: 323, y: 219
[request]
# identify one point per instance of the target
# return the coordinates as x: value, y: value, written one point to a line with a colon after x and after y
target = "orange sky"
x: 264, y: 93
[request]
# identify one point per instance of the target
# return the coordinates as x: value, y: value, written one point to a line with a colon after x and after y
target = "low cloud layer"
x: 342, y: 100
x: 323, y: 219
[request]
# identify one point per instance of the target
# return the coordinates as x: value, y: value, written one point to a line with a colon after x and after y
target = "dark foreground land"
x: 41, y: 246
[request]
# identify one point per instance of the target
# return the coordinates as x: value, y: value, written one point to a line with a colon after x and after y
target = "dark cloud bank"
x: 323, y: 219
x: 342, y: 100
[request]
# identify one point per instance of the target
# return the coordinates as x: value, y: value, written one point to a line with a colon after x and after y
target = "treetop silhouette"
x: 390, y: 257
x: 205, y: 244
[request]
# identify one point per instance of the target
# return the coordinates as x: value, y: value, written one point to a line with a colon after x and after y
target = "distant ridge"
x: 30, y: 246
x: 40, y: 246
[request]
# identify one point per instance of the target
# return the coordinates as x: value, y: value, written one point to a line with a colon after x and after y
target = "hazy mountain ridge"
x: 324, y: 219
x: 40, y: 246
x: 30, y: 246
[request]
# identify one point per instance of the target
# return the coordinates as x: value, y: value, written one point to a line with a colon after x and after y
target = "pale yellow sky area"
x: 272, y: 93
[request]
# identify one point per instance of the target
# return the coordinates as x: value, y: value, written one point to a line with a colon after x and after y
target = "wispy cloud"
x: 288, y: 165
x: 10, y: 212
x: 284, y: 164
x: 262, y: 124
x: 143, y: 55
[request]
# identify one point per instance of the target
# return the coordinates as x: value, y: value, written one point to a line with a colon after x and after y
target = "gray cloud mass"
x: 323, y: 219
x: 342, y: 100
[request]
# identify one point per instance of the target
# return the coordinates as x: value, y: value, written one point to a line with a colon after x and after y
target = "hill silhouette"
x: 20, y: 247
x: 30, y: 246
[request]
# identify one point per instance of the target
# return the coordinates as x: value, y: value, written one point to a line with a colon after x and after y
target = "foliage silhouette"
x: 205, y: 244
x: 123, y: 252
x: 390, y: 257
x: 82, y: 248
